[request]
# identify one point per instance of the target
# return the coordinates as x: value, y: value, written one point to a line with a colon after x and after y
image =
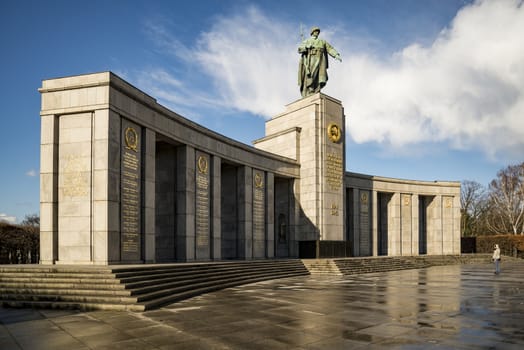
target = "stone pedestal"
x: 311, y: 131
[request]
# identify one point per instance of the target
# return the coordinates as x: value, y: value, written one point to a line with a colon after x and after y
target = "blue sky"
x: 432, y: 89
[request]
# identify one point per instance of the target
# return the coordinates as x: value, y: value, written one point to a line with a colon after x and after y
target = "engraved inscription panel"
x: 202, y: 200
x: 334, y: 171
x: 75, y: 180
x: 364, y: 220
x: 130, y: 197
x: 258, y: 205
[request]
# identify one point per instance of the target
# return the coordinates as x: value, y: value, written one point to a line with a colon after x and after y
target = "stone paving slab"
x: 444, y: 307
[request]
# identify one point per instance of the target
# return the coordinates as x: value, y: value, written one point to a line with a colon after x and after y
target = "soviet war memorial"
x: 157, y: 231
x: 125, y: 180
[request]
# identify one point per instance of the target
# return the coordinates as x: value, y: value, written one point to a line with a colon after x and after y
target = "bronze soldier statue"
x: 312, y: 70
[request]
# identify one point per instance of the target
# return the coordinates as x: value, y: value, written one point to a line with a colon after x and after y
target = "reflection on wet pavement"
x: 446, y: 307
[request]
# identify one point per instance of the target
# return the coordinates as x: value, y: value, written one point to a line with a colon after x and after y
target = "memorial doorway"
x: 383, y: 222
x: 423, y: 206
x: 165, y: 202
x: 229, y: 211
x: 283, y: 194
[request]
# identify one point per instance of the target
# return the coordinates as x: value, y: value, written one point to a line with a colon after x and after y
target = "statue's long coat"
x: 313, y: 65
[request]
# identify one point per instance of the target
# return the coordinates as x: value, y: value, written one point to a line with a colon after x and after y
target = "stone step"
x: 171, y: 298
x: 51, y: 284
x: 80, y: 298
x: 52, y: 269
x: 61, y: 279
x: 351, y: 266
x: 322, y: 267
x: 45, y: 290
x: 76, y: 275
x: 145, y: 281
x: 151, y: 274
x: 83, y: 306
x: 163, y: 290
x: 132, y: 288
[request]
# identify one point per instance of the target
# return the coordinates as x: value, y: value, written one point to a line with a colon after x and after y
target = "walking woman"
x: 496, y: 259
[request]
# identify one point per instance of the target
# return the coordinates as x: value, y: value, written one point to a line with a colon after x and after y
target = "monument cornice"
x: 393, y: 179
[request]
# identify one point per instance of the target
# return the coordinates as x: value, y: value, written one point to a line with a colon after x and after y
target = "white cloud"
x: 242, y: 63
x: 7, y: 218
x: 31, y: 173
x: 249, y: 58
x: 466, y: 89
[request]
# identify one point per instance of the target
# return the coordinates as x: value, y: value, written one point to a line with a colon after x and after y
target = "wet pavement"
x: 446, y: 307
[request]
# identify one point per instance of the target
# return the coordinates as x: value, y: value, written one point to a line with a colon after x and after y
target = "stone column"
x: 447, y: 225
x: 185, y: 197
x: 270, y: 215
x: 245, y: 212
x: 435, y: 226
x: 415, y: 224
x: 216, y: 210
x: 49, y: 189
x: 106, y: 187
x: 75, y: 189
x: 295, y: 223
x: 456, y: 224
x: 113, y: 189
x: 356, y: 222
x: 394, y: 222
x: 148, y: 188
x: 406, y: 232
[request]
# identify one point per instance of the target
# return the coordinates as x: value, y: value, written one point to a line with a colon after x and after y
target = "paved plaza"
x: 447, y: 307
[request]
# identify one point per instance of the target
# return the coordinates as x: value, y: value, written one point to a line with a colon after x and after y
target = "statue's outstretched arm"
x: 332, y: 52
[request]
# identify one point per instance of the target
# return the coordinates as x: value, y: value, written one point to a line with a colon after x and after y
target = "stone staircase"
x: 378, y: 264
x: 320, y: 267
x: 135, y: 288
x: 352, y: 266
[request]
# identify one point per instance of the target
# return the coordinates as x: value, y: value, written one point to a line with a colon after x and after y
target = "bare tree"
x: 473, y: 202
x: 32, y: 220
x: 507, y: 201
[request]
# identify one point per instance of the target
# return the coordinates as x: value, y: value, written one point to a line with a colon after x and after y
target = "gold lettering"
x: 334, y: 171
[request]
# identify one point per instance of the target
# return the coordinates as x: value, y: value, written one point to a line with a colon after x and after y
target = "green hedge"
x: 507, y: 244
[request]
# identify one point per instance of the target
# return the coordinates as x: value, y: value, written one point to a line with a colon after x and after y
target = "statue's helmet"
x: 314, y: 29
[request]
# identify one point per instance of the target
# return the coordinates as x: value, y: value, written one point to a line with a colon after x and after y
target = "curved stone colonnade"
x: 125, y: 180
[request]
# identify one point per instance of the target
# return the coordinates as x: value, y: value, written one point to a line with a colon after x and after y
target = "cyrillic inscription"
x: 259, y: 228
x: 202, y: 201
x: 130, y: 198
x: 334, y: 171
x: 365, y: 228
